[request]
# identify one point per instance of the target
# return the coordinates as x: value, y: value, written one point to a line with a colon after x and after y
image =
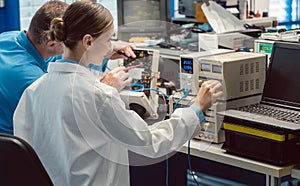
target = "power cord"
x: 185, y: 94
x: 167, y: 170
x: 190, y: 165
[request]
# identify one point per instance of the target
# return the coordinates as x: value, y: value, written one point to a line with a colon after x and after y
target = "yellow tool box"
x: 268, y: 144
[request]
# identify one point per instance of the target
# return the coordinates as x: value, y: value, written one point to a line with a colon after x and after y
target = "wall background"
x: 9, y: 15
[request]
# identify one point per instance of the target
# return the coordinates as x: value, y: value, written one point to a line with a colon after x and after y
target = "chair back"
x: 19, y: 164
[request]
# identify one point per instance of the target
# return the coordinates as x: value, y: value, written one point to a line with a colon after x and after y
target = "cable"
x: 158, y: 91
x: 185, y: 94
x: 164, y: 96
x: 138, y: 85
x: 190, y: 165
x: 143, y: 89
x: 167, y: 170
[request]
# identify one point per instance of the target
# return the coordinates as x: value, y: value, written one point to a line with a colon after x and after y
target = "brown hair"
x: 80, y: 18
x: 40, y: 22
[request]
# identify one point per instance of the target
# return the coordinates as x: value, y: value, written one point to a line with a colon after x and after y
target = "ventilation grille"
x: 257, y: 66
x: 257, y: 83
x: 241, y: 86
x: 249, y: 68
x: 242, y: 69
x: 249, y: 85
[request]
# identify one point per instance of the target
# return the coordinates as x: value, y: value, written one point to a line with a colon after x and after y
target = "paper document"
x: 220, y: 19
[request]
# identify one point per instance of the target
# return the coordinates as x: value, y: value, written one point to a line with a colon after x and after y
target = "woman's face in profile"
x: 100, y: 48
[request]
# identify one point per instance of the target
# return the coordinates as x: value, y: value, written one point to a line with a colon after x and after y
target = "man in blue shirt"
x: 24, y: 57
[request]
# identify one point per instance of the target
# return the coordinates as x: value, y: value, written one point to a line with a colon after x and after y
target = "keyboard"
x: 264, y: 110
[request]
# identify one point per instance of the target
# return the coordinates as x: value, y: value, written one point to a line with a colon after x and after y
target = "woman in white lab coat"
x: 80, y: 127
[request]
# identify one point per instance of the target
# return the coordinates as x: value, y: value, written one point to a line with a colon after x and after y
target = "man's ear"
x: 87, y: 41
x: 51, y: 44
x: 54, y: 48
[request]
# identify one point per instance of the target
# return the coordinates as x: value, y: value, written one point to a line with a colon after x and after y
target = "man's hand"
x: 117, y: 78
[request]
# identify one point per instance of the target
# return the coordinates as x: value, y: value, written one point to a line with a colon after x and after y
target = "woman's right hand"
x: 208, y: 93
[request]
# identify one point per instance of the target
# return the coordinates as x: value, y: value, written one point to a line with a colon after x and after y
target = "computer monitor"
x: 264, y: 46
x: 143, y: 18
x: 282, y: 83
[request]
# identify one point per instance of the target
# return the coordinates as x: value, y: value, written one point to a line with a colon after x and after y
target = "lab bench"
x: 214, y: 152
x: 210, y: 159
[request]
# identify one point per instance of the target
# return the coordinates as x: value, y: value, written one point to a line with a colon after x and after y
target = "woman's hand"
x: 123, y: 52
x: 208, y: 93
x: 118, y: 78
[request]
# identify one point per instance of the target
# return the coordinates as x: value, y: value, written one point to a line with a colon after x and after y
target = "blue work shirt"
x: 20, y: 65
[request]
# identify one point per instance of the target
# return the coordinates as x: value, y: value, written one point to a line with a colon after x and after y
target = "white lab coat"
x: 82, y: 131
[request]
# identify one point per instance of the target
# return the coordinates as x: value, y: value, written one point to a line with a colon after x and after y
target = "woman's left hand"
x: 117, y: 78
